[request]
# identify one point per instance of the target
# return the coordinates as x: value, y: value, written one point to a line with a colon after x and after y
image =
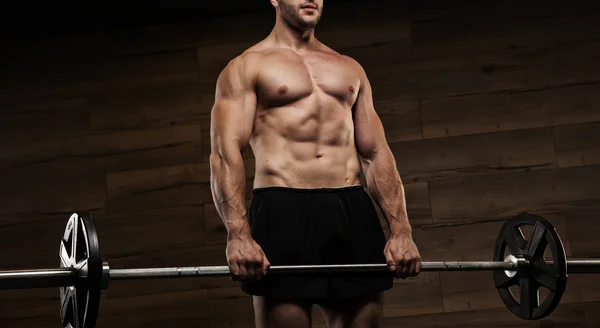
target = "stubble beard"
x: 290, y: 14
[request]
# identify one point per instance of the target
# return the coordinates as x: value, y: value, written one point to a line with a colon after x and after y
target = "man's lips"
x: 309, y: 6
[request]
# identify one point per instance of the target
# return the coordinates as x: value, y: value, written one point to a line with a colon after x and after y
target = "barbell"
x: 82, y: 273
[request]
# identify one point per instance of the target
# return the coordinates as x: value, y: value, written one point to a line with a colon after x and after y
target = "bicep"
x: 232, y: 115
x: 368, y: 128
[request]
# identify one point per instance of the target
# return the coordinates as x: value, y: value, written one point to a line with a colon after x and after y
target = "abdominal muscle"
x: 298, y: 151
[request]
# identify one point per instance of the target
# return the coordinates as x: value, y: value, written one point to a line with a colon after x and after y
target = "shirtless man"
x: 307, y: 112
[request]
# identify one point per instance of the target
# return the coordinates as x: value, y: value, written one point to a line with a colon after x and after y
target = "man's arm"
x: 383, y: 181
x: 232, y: 119
x: 378, y: 163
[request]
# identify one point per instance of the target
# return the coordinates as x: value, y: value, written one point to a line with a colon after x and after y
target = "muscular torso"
x: 303, y: 132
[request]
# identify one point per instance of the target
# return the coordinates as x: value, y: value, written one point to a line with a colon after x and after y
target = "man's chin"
x: 308, y: 24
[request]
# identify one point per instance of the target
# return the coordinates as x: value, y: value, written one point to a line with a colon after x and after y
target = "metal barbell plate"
x: 79, y: 249
x: 537, y: 272
x: 83, y: 274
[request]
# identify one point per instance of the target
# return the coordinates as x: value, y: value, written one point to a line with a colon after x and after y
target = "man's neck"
x: 287, y: 35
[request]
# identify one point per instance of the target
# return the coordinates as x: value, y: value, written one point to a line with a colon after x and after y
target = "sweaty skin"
x: 310, y: 121
x: 307, y: 112
x: 303, y: 134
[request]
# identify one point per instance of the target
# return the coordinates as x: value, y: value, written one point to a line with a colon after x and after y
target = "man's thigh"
x: 270, y: 312
x: 360, y: 312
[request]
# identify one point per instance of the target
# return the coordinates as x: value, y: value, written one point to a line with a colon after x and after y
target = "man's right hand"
x: 246, y: 259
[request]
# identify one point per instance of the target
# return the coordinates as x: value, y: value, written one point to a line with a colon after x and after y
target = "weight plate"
x: 538, y: 273
x: 79, y: 249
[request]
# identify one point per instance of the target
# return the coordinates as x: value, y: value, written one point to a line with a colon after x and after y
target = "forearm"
x: 228, y: 186
x: 386, y: 187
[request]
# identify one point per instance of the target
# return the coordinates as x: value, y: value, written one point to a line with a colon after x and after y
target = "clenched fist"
x: 246, y: 259
x: 402, y: 256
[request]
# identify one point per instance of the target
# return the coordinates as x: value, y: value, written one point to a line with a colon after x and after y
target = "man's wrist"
x: 238, y: 229
x: 398, y: 229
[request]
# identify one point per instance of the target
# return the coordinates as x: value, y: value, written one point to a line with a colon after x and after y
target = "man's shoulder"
x: 344, y: 58
x: 248, y: 58
x: 352, y: 62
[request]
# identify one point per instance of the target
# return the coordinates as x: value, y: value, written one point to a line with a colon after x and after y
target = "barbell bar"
x: 82, y: 274
x: 46, y: 278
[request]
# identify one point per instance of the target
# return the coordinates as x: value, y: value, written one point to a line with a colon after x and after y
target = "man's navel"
x: 351, y: 88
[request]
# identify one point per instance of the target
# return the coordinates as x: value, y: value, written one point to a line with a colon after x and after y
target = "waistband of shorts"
x: 256, y: 191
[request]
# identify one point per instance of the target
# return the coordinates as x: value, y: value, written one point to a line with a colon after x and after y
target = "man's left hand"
x: 402, y: 256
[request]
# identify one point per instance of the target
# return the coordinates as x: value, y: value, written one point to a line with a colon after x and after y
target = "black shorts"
x: 317, y: 227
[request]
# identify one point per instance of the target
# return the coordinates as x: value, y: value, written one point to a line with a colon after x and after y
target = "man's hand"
x: 402, y: 256
x: 246, y: 259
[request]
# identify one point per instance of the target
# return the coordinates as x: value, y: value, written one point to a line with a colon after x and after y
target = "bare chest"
x: 283, y: 80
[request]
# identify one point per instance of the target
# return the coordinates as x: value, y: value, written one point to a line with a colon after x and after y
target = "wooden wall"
x: 491, y: 108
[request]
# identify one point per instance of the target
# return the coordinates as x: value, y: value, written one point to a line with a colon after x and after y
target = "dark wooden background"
x: 491, y: 108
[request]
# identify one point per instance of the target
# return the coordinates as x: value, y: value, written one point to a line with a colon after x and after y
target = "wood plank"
x: 581, y: 288
x: 186, y: 309
x: 491, y: 153
x: 472, y: 114
x: 566, y: 105
x: 577, y: 144
x: 186, y: 35
x: 476, y: 30
x: 379, y: 53
x: 394, y: 82
x: 31, y: 243
x: 563, y: 64
x: 183, y: 185
x: 35, y: 70
x: 592, y: 314
x: 101, y: 153
x: 31, y: 305
x: 33, y: 196
x: 585, y: 225
x: 168, y: 68
x: 467, y: 241
x: 449, y: 76
x: 567, y: 315
x: 364, y: 35
x: 222, y: 301
x: 159, y: 38
x: 578, y: 231
x: 425, y: 296
x: 44, y: 120
x: 504, y: 195
x: 52, y: 47
x: 137, y: 232
x: 152, y: 107
x: 437, y: 9
x: 401, y: 120
x: 173, y: 186
x: 91, y: 76
x: 417, y: 203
